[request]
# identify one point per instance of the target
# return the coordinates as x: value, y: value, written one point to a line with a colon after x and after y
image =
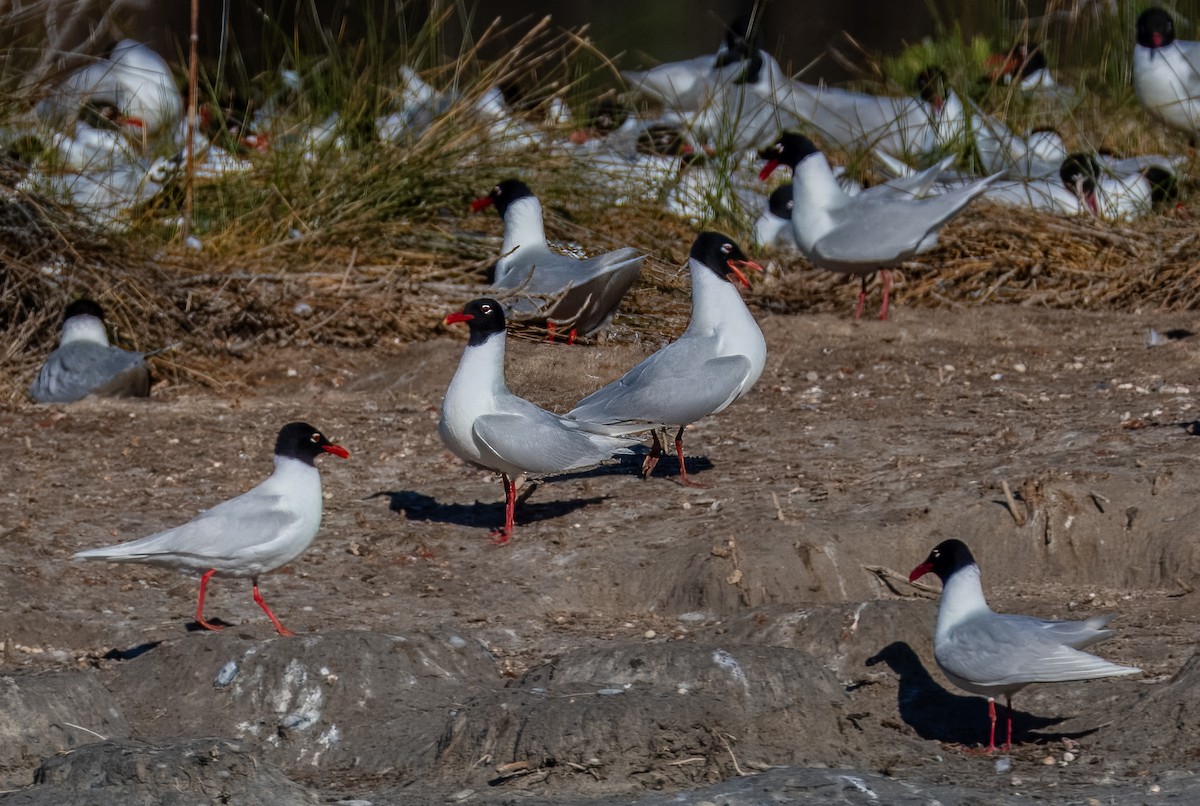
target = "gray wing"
x: 76, y: 370
x: 240, y: 528
x: 665, y: 389
x: 1000, y: 649
x: 543, y: 443
x: 883, y: 231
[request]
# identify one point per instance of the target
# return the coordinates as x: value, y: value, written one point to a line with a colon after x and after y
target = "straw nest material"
x: 397, y: 289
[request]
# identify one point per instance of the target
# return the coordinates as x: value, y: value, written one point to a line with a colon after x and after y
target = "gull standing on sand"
x: 485, y: 424
x: 259, y: 531
x: 717, y: 359
x: 863, y: 234
x: 991, y: 653
x: 86, y: 364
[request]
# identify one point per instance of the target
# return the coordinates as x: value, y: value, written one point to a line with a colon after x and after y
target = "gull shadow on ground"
x: 421, y: 507
x: 132, y: 652
x: 667, y: 467
x: 937, y: 714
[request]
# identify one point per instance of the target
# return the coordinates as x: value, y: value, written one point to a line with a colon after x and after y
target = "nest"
x: 397, y: 288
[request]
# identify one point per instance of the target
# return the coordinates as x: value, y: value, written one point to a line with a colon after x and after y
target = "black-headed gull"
x: 86, y: 364
x: 773, y: 228
x: 580, y: 294
x: 714, y: 362
x: 1166, y: 72
x: 1113, y: 196
x: 687, y: 86
x: 259, y: 531
x: 863, y: 234
x: 133, y: 79
x: 991, y: 653
x: 485, y: 424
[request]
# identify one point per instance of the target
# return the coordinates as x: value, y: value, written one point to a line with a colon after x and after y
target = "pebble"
x: 649, y: 634
x: 1048, y: 761
x: 1003, y: 764
x: 1068, y: 757
x: 1019, y: 367
x: 1155, y: 789
x: 226, y: 675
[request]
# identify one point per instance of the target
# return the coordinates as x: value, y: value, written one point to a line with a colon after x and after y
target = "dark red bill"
x: 336, y: 450
x: 767, y: 170
x: 920, y: 571
x: 481, y: 203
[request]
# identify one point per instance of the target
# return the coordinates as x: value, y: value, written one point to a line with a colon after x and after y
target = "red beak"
x: 1156, y: 39
x: 736, y: 267
x: 481, y: 203
x: 336, y: 450
x: 457, y: 316
x: 767, y: 170
x: 920, y: 571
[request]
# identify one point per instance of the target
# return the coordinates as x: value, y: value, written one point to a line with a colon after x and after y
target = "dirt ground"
x: 752, y: 641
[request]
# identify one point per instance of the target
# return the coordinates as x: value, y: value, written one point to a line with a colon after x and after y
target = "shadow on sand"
x: 935, y: 713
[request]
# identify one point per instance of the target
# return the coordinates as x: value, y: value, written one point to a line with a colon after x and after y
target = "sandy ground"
x: 754, y: 639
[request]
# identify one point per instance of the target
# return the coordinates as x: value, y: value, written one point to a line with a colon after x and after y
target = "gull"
x: 715, y: 361
x: 863, y: 234
x: 991, y: 653
x: 485, y: 424
x: 86, y: 364
x: 247, y: 536
x: 584, y: 292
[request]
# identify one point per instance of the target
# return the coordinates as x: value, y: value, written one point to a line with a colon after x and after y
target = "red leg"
x: 652, y: 458
x: 550, y: 327
x: 992, y: 734
x: 886, y: 275
x: 200, y: 604
x: 862, y: 299
x: 571, y: 336
x: 279, y: 628
x: 1008, y: 708
x: 683, y: 479
x: 501, y: 536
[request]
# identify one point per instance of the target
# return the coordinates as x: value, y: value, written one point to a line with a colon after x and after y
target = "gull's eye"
x: 726, y: 248
x: 315, y: 438
x: 496, y: 190
x: 485, y: 308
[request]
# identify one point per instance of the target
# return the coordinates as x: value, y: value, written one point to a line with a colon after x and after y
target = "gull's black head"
x: 933, y: 86
x: 790, y: 149
x: 1164, y: 187
x: 1155, y: 28
x: 485, y: 317
x: 1080, y: 172
x: 738, y: 42
x: 781, y: 201
x: 946, y: 558
x: 502, y: 195
x: 719, y: 253
x: 302, y: 441
x: 83, y: 307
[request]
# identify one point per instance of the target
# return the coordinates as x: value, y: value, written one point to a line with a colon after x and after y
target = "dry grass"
x: 374, y: 246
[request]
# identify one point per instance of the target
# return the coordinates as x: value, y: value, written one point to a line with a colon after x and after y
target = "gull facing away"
x: 714, y: 362
x: 259, y: 531
x: 485, y: 424
x: 863, y: 234
x: 580, y: 294
x: 86, y: 364
x: 991, y: 653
